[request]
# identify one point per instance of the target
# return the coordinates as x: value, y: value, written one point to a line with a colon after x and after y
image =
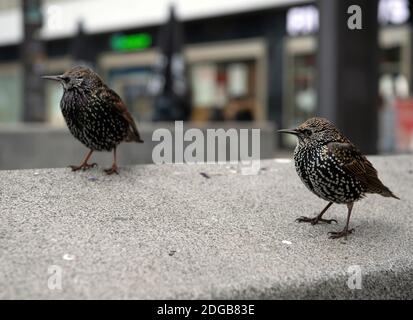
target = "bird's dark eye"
x: 307, y: 132
x: 66, y: 79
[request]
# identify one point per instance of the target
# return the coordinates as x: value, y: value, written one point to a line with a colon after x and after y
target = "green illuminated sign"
x: 138, y: 41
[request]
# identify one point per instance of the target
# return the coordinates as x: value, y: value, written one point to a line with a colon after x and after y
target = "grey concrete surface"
x: 168, y: 232
x: 28, y: 146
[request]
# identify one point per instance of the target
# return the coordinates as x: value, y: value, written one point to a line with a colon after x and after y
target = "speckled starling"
x: 333, y: 169
x: 94, y: 114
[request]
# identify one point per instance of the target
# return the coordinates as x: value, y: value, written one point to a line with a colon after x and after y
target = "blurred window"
x: 54, y: 92
x: 224, y: 90
x: 300, y: 92
x: 131, y: 83
x: 11, y: 102
x: 204, y: 85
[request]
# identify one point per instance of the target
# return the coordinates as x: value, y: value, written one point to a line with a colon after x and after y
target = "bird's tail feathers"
x: 138, y: 138
x: 134, y: 133
x: 385, y: 192
x: 134, y: 136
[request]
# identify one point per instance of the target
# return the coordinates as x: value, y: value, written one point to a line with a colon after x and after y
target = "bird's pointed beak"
x: 54, y: 78
x: 290, y: 131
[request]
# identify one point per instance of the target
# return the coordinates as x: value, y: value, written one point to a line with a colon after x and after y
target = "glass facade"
x: 395, y: 104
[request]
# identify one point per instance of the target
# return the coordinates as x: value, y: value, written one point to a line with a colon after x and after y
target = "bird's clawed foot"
x: 315, y: 220
x: 340, y: 234
x: 112, y: 170
x: 83, y: 166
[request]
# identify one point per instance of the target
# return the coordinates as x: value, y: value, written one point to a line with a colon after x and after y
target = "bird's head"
x: 314, y: 131
x: 80, y: 78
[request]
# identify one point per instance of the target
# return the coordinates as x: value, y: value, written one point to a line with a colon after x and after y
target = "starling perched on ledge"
x: 333, y: 168
x: 95, y: 114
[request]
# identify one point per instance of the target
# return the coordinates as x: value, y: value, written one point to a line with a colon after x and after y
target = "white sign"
x: 302, y: 20
x: 393, y: 11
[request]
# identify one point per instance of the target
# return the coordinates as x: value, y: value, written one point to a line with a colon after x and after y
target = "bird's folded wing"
x: 114, y: 101
x: 357, y: 164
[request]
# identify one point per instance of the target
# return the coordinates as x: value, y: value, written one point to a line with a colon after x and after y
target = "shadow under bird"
x: 94, y: 114
x: 333, y: 169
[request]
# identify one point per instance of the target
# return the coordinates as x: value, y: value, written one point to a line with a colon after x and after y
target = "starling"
x: 333, y: 169
x: 94, y: 114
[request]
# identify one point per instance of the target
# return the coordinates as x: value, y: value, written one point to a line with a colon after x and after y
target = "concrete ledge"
x: 168, y: 232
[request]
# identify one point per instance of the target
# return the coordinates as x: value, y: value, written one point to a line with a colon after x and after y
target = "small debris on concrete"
x: 171, y: 253
x: 92, y: 178
x: 68, y: 257
x: 205, y: 175
x: 286, y: 242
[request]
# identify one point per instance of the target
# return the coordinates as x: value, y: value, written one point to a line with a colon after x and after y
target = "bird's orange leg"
x: 84, y: 165
x: 345, y: 231
x: 318, y: 218
x: 114, y: 168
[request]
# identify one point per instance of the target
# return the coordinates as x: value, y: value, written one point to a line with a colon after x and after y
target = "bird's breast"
x: 93, y: 122
x: 323, y: 174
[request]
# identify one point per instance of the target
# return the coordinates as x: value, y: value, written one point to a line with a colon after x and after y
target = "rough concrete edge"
x: 379, y: 284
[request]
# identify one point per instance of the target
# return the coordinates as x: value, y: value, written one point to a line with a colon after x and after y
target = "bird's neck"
x: 74, y: 98
x: 310, y: 144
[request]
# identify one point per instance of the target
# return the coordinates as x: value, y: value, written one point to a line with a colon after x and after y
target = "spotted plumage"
x: 331, y: 167
x: 94, y: 114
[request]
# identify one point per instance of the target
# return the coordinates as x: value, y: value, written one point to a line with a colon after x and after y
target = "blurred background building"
x: 260, y: 62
